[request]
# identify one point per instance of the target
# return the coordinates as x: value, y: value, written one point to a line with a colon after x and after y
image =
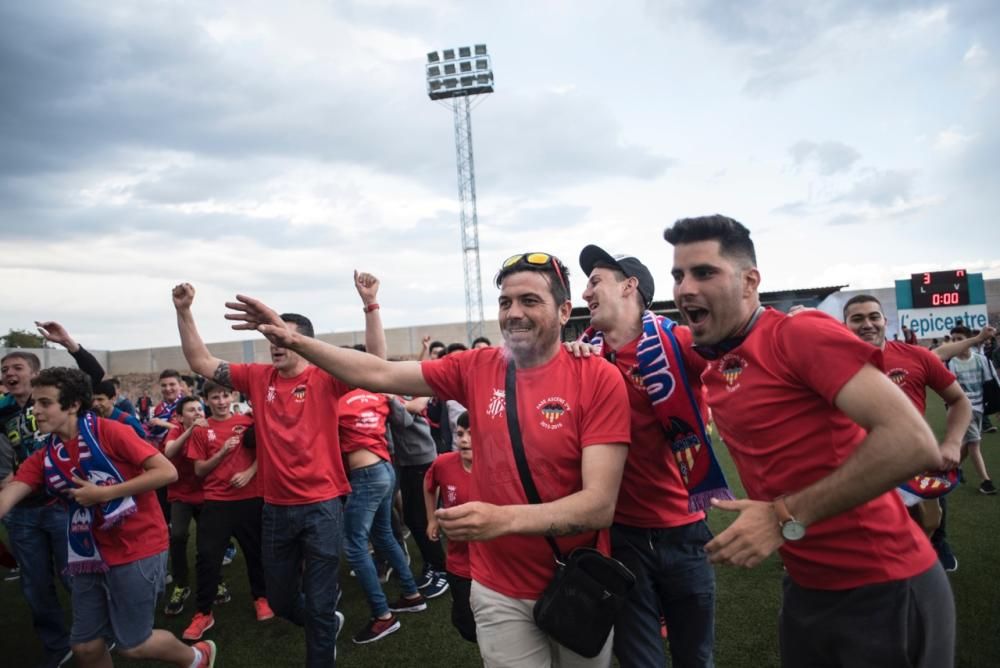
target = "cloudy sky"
x: 270, y: 148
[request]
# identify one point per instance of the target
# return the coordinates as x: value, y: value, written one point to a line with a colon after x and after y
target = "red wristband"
x: 371, y: 307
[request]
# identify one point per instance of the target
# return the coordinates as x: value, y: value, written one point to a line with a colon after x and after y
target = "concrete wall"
x: 402, y: 342
x: 58, y: 356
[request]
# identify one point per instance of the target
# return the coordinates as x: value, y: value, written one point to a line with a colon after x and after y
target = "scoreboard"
x: 933, y: 289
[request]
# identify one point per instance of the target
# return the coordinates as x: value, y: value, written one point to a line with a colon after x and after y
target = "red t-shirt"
x: 915, y: 369
x: 206, y: 441
x: 653, y: 495
x: 188, y: 487
x: 142, y: 534
x: 773, y: 401
x: 564, y: 406
x: 448, y: 475
x: 362, y: 422
x: 298, y: 450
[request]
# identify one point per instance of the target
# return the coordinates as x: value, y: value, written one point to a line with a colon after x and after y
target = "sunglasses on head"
x: 535, y: 260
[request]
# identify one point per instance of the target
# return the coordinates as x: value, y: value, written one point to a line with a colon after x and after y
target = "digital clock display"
x: 940, y: 288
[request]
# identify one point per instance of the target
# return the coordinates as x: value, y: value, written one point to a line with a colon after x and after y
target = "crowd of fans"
x: 331, y: 451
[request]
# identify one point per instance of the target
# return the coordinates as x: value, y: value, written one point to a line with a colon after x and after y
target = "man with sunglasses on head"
x: 820, y: 437
x: 573, y: 416
x: 670, y: 474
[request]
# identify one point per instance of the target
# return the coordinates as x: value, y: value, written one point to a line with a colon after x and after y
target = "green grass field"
x: 746, y: 622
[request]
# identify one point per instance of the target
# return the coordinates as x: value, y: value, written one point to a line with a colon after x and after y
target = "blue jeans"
x: 673, y: 578
x: 369, y: 515
x: 301, y: 555
x: 38, y: 541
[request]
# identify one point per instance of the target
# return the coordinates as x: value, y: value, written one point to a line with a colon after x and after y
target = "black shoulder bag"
x: 579, y: 607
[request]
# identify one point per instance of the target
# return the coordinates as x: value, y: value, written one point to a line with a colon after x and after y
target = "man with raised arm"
x: 573, y: 415
x: 820, y: 438
x: 300, y: 471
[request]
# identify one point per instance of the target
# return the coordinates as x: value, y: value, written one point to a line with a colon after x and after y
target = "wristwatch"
x: 791, y: 528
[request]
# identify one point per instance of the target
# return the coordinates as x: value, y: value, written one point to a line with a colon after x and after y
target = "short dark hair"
x: 435, y: 344
x: 171, y: 373
x: 73, y: 385
x: 117, y: 382
x: 105, y: 387
x: 455, y: 348
x: 211, y: 386
x: 559, y: 288
x: 861, y: 299
x: 303, y: 323
x: 30, y: 358
x: 463, y: 420
x: 360, y: 347
x: 733, y: 237
x: 184, y: 401
x: 963, y: 330
x: 481, y: 339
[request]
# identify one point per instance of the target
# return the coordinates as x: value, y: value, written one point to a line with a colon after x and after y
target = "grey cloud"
x: 880, y: 188
x: 831, y: 157
x: 778, y: 33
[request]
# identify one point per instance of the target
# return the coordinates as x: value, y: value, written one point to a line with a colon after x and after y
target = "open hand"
x: 56, y: 333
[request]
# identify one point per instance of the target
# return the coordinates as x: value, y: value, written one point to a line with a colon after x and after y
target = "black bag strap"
x: 514, y: 428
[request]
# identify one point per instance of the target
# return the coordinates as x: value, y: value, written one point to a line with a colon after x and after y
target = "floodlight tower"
x: 456, y: 78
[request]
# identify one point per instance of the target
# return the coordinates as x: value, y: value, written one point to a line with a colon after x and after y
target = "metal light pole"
x: 455, y: 78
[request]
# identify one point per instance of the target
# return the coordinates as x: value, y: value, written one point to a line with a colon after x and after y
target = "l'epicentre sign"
x: 931, y: 303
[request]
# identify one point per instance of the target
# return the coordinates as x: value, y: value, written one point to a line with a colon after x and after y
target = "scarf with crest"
x: 92, y: 465
x: 659, y: 355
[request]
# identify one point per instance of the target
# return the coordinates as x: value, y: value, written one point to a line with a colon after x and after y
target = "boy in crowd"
x: 973, y: 371
x: 106, y: 406
x: 225, y: 459
x: 117, y: 539
x: 449, y: 479
x: 185, y: 497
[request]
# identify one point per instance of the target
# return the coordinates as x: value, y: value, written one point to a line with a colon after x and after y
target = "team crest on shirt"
x: 731, y: 367
x: 497, y: 403
x: 636, y: 377
x: 451, y: 494
x: 299, y: 393
x: 210, y: 435
x: 553, y: 409
x: 272, y: 393
x: 239, y: 429
x: 897, y: 375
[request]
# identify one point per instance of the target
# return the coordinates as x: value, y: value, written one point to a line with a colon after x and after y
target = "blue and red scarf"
x: 163, y: 411
x: 84, y: 556
x: 931, y: 485
x: 659, y: 354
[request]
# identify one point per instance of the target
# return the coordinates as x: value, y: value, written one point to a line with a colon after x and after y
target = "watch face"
x: 793, y: 530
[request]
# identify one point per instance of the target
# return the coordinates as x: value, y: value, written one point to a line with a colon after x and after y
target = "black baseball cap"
x: 592, y: 255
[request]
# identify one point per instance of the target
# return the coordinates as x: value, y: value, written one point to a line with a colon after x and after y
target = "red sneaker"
x: 264, y: 611
x: 201, y: 623
x: 208, y: 653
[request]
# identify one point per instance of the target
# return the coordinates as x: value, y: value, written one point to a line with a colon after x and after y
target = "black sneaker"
x: 175, y: 605
x: 418, y: 604
x: 949, y: 562
x: 437, y: 586
x: 222, y: 594
x: 376, y: 630
x: 426, y: 577
x: 988, y: 488
x: 990, y: 430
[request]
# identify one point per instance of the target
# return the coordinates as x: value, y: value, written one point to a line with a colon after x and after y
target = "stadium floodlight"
x: 466, y: 74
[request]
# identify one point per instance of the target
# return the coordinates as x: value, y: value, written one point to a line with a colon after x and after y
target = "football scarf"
x: 659, y: 354
x: 931, y: 485
x: 163, y: 411
x: 84, y: 556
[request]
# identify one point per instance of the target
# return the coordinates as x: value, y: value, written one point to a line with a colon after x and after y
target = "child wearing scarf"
x: 106, y: 475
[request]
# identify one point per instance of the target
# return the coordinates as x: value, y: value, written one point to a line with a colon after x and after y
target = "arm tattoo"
x: 222, y: 375
x: 566, y: 530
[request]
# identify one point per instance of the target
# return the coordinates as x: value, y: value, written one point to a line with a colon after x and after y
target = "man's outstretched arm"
x: 195, y: 351
x: 353, y: 367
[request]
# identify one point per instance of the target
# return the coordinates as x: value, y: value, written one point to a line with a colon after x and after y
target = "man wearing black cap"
x: 659, y: 529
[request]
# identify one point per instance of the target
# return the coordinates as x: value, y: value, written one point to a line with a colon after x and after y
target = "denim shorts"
x: 119, y: 604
